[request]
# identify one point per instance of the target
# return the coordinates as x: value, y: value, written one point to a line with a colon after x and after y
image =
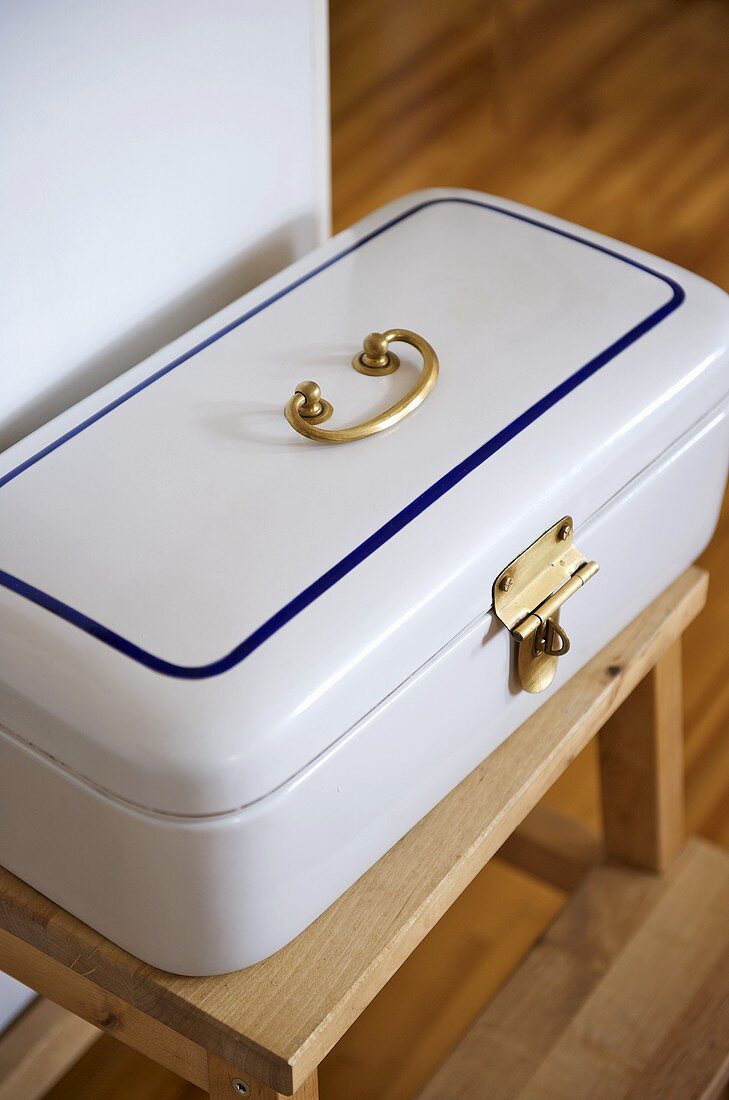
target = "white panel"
x: 581, y: 372
x: 13, y: 999
x: 262, y: 874
x: 170, y: 528
x: 207, y: 453
x: 158, y: 160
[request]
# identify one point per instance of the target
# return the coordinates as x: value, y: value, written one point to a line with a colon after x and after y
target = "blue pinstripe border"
x: 396, y: 523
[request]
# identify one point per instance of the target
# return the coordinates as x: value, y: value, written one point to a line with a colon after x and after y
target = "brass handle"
x: 307, y: 408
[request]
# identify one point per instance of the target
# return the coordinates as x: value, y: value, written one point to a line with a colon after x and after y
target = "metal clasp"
x: 544, y: 639
x: 529, y: 594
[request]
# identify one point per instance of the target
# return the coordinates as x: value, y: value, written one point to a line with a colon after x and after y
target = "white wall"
x: 156, y: 160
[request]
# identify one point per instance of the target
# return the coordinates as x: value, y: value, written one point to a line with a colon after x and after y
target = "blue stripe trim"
x: 389, y: 529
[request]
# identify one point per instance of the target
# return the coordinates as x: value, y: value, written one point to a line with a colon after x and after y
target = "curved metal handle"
x: 307, y: 407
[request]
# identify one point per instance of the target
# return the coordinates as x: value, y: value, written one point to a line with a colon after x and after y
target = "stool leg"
x: 641, y: 770
x: 223, y: 1078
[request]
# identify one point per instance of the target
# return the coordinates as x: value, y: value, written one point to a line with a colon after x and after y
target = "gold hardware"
x: 313, y: 408
x: 544, y: 639
x: 529, y: 594
x: 375, y: 357
x: 307, y: 407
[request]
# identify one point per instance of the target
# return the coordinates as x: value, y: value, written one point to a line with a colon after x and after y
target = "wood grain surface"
x: 625, y: 998
x: 225, y: 1081
x: 39, y: 1048
x: 612, y: 114
x: 641, y: 771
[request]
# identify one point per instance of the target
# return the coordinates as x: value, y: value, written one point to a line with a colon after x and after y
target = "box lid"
x: 195, y: 601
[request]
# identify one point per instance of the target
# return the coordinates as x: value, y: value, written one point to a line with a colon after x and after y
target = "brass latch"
x: 528, y: 596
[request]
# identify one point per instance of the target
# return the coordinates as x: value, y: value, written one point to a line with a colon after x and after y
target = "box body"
x: 235, y: 658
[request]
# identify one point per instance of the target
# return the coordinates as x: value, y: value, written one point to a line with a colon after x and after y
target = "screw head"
x: 564, y: 532
x: 506, y: 582
x: 240, y: 1087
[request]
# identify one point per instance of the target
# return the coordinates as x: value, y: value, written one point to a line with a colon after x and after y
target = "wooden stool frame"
x: 262, y: 1032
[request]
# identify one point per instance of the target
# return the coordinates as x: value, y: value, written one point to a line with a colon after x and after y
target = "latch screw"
x: 240, y: 1087
x: 506, y: 583
x: 565, y: 531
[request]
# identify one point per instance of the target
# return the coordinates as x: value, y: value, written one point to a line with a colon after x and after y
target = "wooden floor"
x: 614, y: 114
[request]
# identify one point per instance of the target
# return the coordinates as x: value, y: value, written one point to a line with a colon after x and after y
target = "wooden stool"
x: 626, y: 996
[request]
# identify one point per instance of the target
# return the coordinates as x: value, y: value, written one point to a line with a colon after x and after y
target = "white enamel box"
x: 237, y: 664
